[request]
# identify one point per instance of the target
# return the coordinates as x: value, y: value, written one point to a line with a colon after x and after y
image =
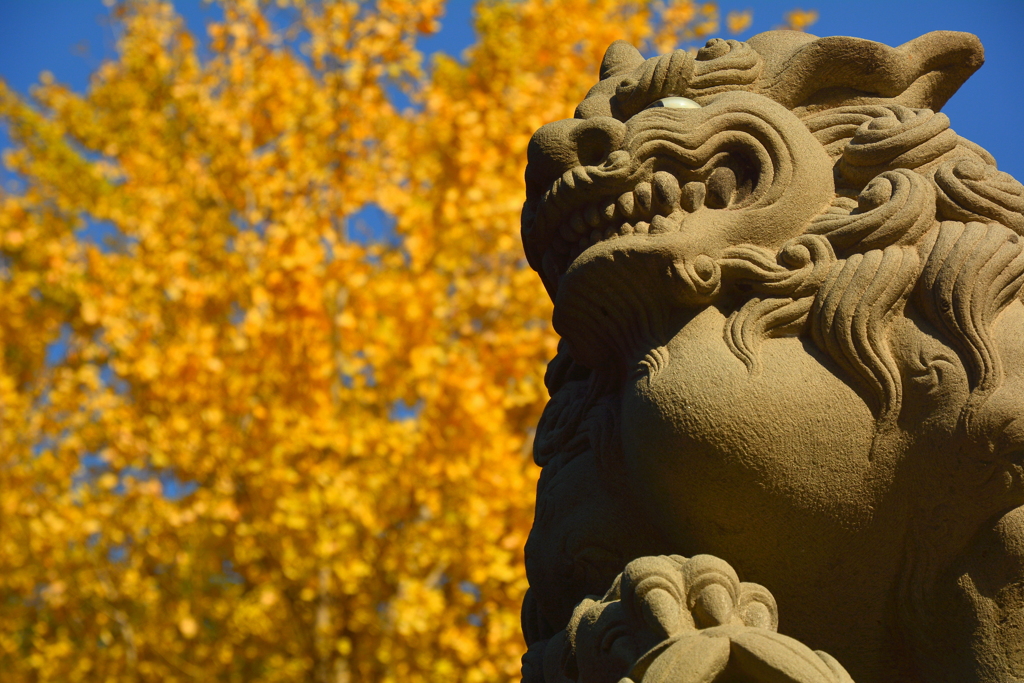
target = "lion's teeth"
x: 692, y: 196
x: 658, y: 200
x: 568, y: 179
x: 644, y: 197
x: 608, y: 210
x: 577, y: 223
x: 721, y: 186
x: 660, y: 224
x: 555, y: 200
x: 626, y: 205
x: 666, y: 191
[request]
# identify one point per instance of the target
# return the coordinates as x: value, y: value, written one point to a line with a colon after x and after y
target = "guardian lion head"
x: 789, y: 296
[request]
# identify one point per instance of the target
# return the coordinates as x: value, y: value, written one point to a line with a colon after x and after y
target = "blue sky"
x: 70, y: 38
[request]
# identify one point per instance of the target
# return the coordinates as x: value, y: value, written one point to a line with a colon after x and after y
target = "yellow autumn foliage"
x: 238, y: 440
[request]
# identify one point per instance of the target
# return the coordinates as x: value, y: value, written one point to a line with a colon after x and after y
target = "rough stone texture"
x: 793, y: 350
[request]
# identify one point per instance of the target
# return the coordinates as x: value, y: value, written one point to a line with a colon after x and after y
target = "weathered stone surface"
x: 793, y: 350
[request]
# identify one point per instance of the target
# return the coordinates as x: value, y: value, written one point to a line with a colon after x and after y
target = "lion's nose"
x: 563, y: 145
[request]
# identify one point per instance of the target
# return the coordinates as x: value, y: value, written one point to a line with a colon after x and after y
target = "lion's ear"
x: 619, y: 58
x: 801, y: 70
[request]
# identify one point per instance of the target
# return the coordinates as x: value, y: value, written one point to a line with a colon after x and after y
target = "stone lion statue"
x: 789, y: 296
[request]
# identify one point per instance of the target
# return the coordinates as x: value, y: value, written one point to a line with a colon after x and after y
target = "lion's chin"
x: 622, y: 297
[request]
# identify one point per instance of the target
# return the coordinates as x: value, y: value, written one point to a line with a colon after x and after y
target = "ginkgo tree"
x: 239, y: 440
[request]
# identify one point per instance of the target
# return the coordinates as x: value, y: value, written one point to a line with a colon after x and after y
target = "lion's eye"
x: 674, y: 103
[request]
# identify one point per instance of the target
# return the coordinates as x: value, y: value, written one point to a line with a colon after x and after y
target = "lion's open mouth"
x: 590, y: 205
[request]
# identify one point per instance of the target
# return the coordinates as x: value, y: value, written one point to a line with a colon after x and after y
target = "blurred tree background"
x: 245, y: 437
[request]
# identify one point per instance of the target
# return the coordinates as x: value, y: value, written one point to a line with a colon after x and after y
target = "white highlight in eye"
x: 674, y: 103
